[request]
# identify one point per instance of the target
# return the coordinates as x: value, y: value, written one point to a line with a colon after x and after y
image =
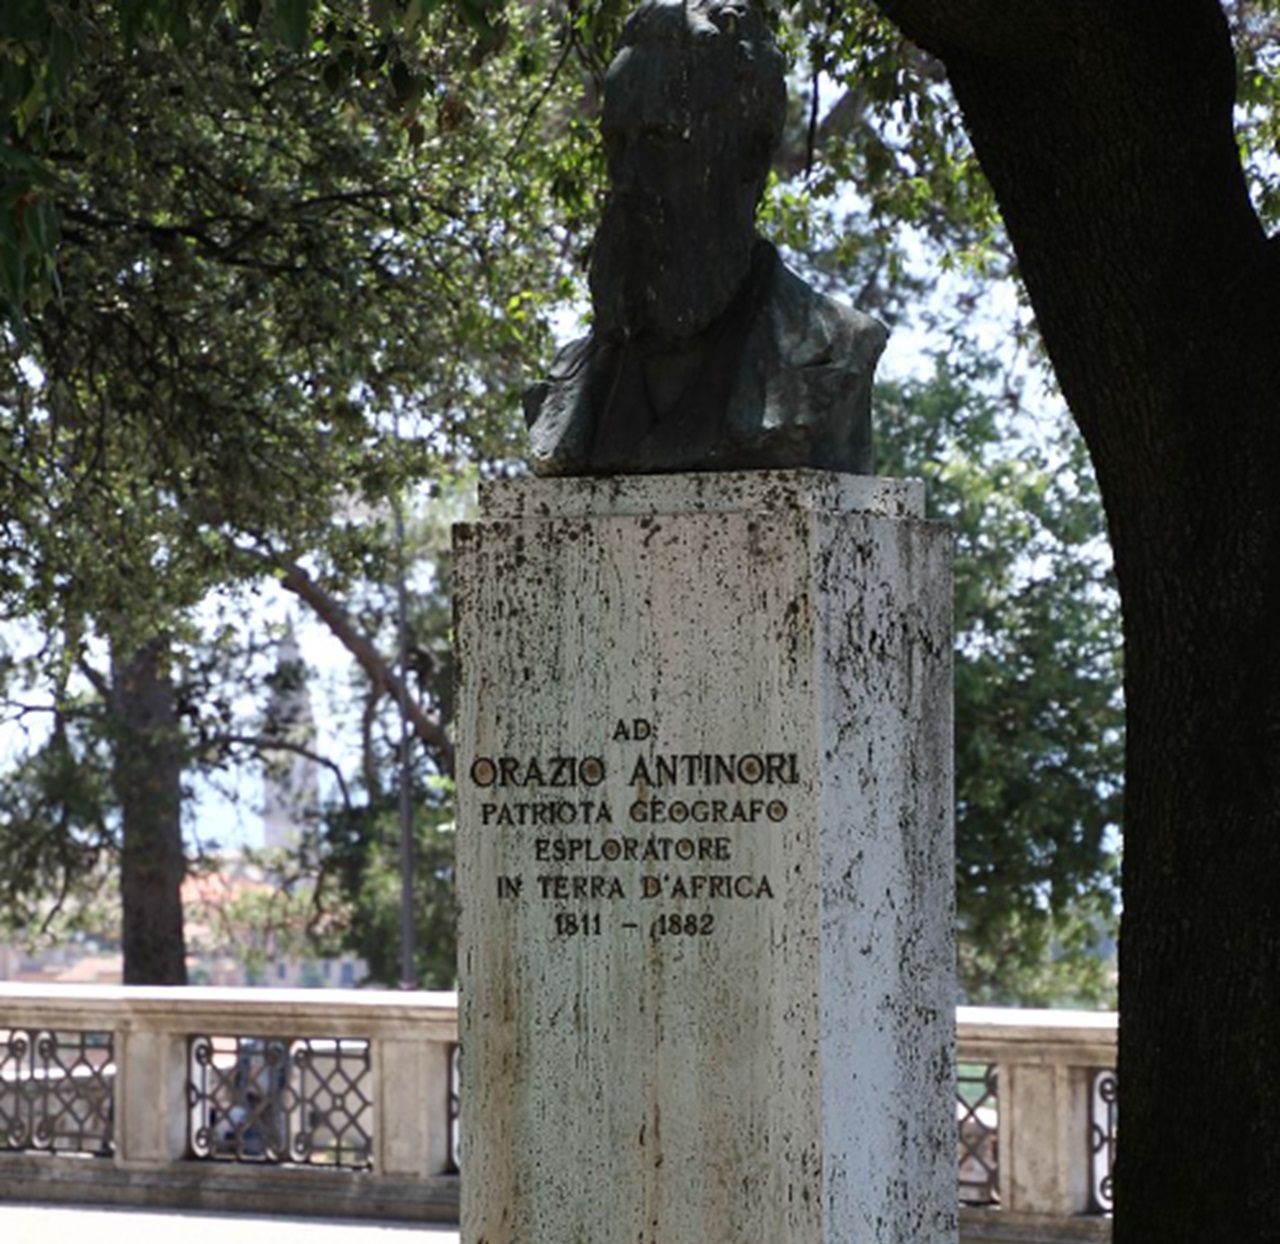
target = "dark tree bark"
x: 1105, y: 127
x: 148, y: 784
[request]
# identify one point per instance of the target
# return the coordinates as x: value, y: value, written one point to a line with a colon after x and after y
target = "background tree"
x: 1039, y: 717
x: 287, y: 283
x: 356, y: 856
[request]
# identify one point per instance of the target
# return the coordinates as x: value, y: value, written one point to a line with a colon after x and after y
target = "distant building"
x: 243, y: 928
x: 291, y: 781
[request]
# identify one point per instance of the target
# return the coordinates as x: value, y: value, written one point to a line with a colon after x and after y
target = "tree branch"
x: 987, y: 29
x: 263, y: 743
x: 428, y: 728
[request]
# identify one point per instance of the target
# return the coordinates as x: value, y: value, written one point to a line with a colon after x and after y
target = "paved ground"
x: 46, y: 1224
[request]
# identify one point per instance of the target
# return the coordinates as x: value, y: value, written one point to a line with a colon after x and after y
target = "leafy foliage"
x: 891, y: 134
x: 361, y: 868
x: 291, y: 279
x: 53, y: 829
x: 1039, y: 737
x: 1256, y: 33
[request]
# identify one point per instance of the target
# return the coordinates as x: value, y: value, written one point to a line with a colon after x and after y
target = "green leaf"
x: 293, y: 22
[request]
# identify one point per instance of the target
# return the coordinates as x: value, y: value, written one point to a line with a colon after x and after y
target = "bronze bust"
x: 706, y: 352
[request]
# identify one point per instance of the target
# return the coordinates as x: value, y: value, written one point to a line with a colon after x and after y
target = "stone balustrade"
x: 289, y: 1101
x: 1037, y: 1124
x: 343, y: 1103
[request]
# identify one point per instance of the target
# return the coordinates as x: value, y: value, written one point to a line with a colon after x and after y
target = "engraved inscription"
x: 688, y: 821
x: 561, y: 771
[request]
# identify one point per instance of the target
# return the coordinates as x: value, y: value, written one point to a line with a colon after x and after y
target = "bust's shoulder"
x: 810, y: 329
x: 561, y: 409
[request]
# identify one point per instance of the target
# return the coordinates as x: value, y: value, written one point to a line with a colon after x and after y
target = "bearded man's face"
x: 675, y: 243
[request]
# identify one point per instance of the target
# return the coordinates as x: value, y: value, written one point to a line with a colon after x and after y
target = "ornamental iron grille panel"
x: 455, y: 1089
x: 978, y: 1116
x: 57, y: 1091
x: 1104, y: 1118
x: 271, y: 1099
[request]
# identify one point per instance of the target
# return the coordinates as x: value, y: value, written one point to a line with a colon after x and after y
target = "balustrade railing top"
x: 167, y: 1007
x: 1071, y: 1034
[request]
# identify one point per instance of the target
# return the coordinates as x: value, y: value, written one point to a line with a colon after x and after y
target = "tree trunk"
x: 148, y: 785
x: 1105, y: 129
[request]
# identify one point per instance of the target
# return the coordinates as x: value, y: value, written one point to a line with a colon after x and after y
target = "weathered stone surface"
x: 704, y: 798
x: 618, y: 495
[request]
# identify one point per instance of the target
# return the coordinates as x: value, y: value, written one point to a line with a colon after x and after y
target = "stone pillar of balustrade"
x: 151, y: 1095
x: 1044, y: 1138
x: 1047, y: 1064
x: 414, y: 1088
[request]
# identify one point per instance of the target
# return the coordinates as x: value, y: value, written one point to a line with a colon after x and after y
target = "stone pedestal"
x: 705, y: 862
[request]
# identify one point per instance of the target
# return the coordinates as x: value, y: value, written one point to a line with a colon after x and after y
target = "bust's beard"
x: 666, y: 276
